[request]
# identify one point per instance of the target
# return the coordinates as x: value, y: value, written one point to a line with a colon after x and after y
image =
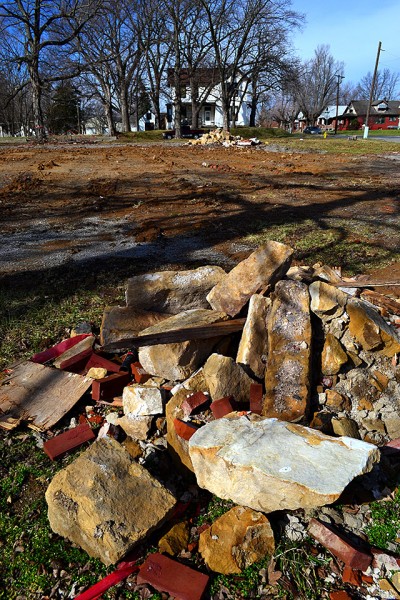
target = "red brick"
x: 194, y: 401
x: 351, y: 576
x: 367, y: 579
x: 68, y: 440
x: 184, y: 430
x: 108, y: 387
x: 139, y: 374
x: 340, y: 595
x: 222, y: 407
x: 256, y: 398
x: 167, y: 575
x: 339, y: 546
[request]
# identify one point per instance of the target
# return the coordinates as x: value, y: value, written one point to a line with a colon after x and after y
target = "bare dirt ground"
x: 166, y: 204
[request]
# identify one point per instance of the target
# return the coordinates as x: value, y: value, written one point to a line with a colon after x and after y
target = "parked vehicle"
x: 186, y: 132
x: 312, y: 130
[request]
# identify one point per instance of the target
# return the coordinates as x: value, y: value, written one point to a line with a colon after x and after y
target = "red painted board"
x: 58, y: 349
x: 68, y: 440
x: 102, y: 586
x: 108, y: 387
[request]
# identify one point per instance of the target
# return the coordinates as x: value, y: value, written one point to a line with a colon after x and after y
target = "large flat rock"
x: 105, y: 502
x: 173, y: 291
x: 270, y: 465
x: 178, y: 361
x: 256, y: 273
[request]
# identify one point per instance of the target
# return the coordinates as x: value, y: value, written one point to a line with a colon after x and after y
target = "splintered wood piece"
x: 364, y: 284
x: 382, y: 301
x: 41, y: 395
x: 179, y: 335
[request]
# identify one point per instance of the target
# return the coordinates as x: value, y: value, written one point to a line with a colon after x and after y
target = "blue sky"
x: 353, y: 31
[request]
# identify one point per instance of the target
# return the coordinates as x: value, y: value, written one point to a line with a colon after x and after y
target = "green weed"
x: 384, y: 526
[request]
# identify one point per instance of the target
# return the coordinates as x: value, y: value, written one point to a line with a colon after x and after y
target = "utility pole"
x: 371, y: 94
x: 339, y: 79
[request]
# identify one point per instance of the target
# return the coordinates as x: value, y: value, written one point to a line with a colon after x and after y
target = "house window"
x: 393, y: 119
x: 207, y: 114
x: 382, y: 106
x: 380, y: 120
x: 183, y: 91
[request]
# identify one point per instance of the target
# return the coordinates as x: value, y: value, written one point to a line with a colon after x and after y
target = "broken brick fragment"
x: 222, y: 407
x: 168, y: 575
x: 256, y: 398
x: 339, y: 546
x: 193, y: 402
x: 68, y: 440
x: 184, y: 430
x: 352, y: 576
x: 139, y: 374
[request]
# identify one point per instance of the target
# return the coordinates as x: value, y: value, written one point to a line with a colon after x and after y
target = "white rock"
x: 140, y: 400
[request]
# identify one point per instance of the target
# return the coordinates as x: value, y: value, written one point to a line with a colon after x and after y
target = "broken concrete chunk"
x: 225, y: 377
x: 333, y: 356
x: 178, y: 361
x: 253, y: 347
x: 256, y: 273
x: 270, y: 465
x: 236, y: 540
x: 287, y: 378
x: 96, y: 373
x: 173, y: 292
x: 122, y: 322
x: 140, y: 400
x: 371, y: 330
x: 86, y: 506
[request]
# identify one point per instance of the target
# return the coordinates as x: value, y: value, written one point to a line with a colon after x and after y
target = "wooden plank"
x: 73, y: 438
x: 363, y: 284
x: 179, y: 335
x: 382, y: 301
x: 39, y: 394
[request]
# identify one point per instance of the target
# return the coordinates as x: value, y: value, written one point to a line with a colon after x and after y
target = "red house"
x: 384, y: 114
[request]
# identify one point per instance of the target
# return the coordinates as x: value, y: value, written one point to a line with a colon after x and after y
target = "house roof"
x: 358, y: 108
x: 330, y: 111
x: 202, y: 75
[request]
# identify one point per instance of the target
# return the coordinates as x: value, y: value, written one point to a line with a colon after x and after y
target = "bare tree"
x: 386, y: 86
x: 317, y: 83
x: 35, y: 29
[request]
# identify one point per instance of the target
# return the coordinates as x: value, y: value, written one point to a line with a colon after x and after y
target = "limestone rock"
x: 371, y: 330
x: 256, y: 273
x: 178, y: 361
x: 327, y: 301
x: 141, y: 400
x: 287, y: 378
x: 253, y: 347
x: 122, y: 322
x: 105, y: 502
x: 236, y: 540
x: 136, y: 427
x: 173, y: 292
x: 177, y: 446
x: 346, y: 427
x: 333, y: 356
x: 225, y: 377
x: 175, y: 540
x: 270, y: 465
x: 96, y: 373
x: 337, y: 401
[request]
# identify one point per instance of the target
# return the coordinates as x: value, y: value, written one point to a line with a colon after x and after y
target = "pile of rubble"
x: 274, y: 387
x: 222, y: 137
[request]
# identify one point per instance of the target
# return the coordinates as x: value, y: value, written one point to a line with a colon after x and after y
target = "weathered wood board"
x: 38, y: 394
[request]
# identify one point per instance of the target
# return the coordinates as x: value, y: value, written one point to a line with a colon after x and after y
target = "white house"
x: 209, y: 94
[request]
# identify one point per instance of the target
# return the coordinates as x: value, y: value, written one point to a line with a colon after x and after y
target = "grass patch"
x: 214, y: 509
x: 262, y: 133
x: 339, y: 145
x: 354, y: 246
x: 384, y: 526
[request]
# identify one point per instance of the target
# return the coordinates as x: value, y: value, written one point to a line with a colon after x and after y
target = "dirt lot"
x: 169, y: 204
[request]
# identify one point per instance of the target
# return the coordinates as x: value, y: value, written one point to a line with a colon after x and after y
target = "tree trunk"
x: 253, y: 110
x: 38, y: 120
x: 124, y: 105
x: 194, y: 92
